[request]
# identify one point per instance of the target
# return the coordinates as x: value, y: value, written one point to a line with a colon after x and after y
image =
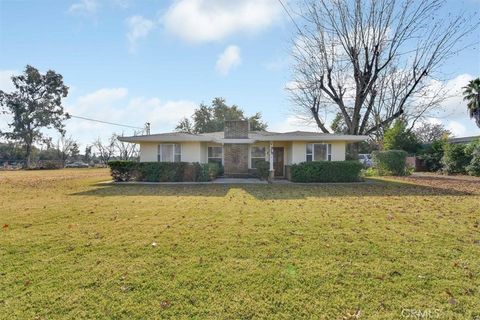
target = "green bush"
x: 473, y: 149
x: 326, y: 171
x: 208, y: 171
x: 162, y: 171
x: 50, y: 165
x: 455, y: 159
x: 390, y: 162
x: 263, y: 169
x: 399, y: 138
x: 122, y: 171
x: 433, y: 154
x: 147, y: 171
x: 369, y: 172
x: 191, y: 172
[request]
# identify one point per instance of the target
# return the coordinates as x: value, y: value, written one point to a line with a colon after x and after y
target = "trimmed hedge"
x: 326, y: 171
x: 123, y: 171
x: 390, y: 162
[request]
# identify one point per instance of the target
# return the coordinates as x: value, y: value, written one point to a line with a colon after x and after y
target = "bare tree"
x: 372, y: 61
x: 429, y: 132
x: 105, y: 151
x: 66, y: 147
x: 125, y: 150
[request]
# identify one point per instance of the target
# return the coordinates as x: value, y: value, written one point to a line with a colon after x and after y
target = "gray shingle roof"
x: 254, y: 136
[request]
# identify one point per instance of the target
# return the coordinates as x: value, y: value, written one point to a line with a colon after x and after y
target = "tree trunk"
x: 352, y: 151
x: 28, y: 150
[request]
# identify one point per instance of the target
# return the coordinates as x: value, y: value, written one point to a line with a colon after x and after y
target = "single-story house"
x: 463, y: 140
x: 238, y: 149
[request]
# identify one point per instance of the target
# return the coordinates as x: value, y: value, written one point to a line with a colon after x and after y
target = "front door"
x: 278, y: 161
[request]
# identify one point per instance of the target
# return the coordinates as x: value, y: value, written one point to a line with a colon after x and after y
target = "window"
x: 169, y: 152
x: 257, y: 154
x: 319, y: 152
x: 215, y: 155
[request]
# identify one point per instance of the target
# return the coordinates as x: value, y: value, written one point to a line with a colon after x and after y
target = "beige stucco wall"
x: 299, y: 151
x: 338, y: 150
x: 191, y: 151
x: 197, y: 151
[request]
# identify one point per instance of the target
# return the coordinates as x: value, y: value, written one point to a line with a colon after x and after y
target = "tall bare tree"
x: 125, y: 150
x: 66, y: 147
x: 105, y: 150
x: 372, y: 61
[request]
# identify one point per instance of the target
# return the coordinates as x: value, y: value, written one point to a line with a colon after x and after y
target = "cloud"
x: 122, y: 3
x: 115, y: 105
x: 198, y: 21
x: 102, y: 97
x: 84, y: 6
x: 138, y: 28
x: 229, y: 59
x: 457, y: 128
x: 6, y: 83
x: 292, y: 123
x: 454, y: 105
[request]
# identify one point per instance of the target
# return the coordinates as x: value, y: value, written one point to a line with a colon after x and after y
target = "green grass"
x: 71, y: 248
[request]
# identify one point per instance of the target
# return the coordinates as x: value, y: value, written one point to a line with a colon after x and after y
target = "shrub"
x: 147, y: 171
x: 399, y: 138
x: 208, y: 171
x: 162, y: 171
x: 433, y: 154
x: 390, y: 162
x: 214, y: 170
x: 473, y: 168
x: 263, y: 169
x: 455, y: 159
x: 50, y: 165
x: 191, y: 172
x: 369, y: 172
x: 326, y: 171
x: 122, y: 170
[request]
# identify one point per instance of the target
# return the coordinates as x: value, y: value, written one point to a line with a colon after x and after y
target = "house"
x: 238, y: 149
x: 463, y: 140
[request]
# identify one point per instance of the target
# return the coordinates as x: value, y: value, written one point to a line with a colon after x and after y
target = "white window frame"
x: 257, y: 158
x: 174, y: 153
x: 328, y: 154
x: 221, y: 156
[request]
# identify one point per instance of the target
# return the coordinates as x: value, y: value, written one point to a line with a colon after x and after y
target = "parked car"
x: 76, y: 164
x: 365, y: 159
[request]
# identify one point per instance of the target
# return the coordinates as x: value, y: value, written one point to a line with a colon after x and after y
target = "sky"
x: 133, y: 62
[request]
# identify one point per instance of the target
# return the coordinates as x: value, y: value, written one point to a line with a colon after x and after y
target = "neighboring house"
x: 463, y: 140
x: 238, y: 149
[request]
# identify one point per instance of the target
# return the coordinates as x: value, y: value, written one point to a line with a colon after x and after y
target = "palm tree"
x: 471, y: 93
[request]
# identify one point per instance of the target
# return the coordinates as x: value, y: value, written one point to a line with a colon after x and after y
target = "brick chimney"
x: 236, y: 129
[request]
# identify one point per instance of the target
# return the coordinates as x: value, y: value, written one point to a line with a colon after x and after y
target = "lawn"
x: 72, y: 247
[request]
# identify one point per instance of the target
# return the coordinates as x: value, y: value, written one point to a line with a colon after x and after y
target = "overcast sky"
x: 133, y: 62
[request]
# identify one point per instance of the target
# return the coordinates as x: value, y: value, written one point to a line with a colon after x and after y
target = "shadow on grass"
x: 275, y: 191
